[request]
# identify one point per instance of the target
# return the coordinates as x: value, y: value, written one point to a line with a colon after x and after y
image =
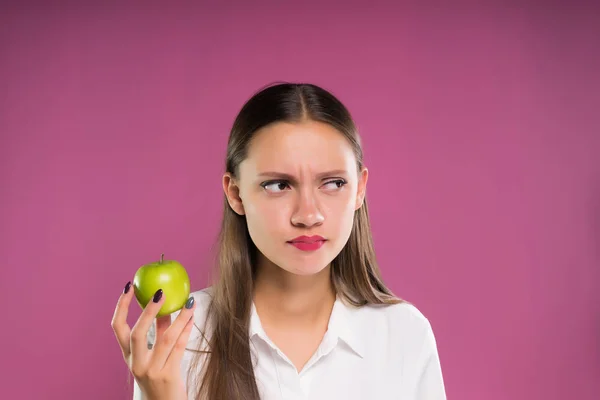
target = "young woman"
x: 299, y: 309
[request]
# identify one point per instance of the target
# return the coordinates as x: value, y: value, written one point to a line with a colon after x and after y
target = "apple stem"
x: 162, y: 257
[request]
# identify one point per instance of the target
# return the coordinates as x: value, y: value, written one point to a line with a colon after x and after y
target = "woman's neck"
x: 282, y: 298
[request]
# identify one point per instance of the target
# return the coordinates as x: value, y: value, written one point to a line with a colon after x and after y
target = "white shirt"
x: 371, y: 352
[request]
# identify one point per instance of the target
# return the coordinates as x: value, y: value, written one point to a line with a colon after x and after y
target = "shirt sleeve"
x: 137, y: 393
x: 430, y: 382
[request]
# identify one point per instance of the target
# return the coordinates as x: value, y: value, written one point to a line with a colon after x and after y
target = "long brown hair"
x: 227, y: 371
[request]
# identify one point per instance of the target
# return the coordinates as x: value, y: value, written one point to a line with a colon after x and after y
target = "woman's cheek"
x: 271, y: 217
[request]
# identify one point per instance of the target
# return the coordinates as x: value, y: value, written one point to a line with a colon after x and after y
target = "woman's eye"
x: 338, y: 183
x: 275, y: 187
x: 280, y: 186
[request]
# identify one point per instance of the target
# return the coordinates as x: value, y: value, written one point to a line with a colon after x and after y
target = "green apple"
x: 168, y: 275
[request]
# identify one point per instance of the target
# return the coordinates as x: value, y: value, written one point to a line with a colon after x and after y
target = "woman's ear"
x: 232, y: 191
x: 363, y: 177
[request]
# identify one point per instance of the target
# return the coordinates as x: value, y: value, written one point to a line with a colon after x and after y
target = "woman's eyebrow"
x: 291, y: 178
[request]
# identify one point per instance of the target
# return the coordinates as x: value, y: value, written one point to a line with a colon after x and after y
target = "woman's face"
x: 298, y: 180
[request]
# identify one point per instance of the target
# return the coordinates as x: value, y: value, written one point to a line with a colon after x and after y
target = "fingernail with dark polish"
x: 127, y: 287
x: 157, y: 295
x: 190, y: 303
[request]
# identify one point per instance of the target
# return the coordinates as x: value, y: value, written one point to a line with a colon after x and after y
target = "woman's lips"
x: 308, y: 243
x: 304, y: 246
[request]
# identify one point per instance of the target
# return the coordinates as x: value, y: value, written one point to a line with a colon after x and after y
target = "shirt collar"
x: 256, y: 327
x: 341, y: 326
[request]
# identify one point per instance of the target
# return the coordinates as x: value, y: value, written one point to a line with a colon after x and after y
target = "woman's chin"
x: 305, y: 270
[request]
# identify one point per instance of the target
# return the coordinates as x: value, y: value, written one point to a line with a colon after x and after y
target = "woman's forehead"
x: 308, y: 148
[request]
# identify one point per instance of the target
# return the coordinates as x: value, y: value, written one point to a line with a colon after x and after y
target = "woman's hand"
x: 157, y: 370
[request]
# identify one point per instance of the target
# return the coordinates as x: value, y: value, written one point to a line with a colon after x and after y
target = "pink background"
x: 481, y: 132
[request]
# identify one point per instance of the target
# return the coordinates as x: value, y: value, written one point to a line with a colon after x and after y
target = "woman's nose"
x: 307, y: 212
